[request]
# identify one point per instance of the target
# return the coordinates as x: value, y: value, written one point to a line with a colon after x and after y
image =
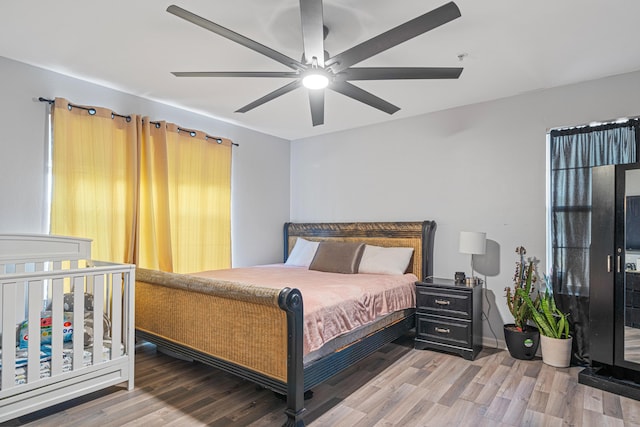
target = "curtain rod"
x: 589, y: 127
x: 92, y: 111
x: 595, y: 127
x: 193, y: 133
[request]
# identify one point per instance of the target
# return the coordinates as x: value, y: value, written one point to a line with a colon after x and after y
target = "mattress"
x: 334, y: 304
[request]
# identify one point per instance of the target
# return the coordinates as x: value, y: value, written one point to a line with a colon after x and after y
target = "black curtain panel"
x: 573, y: 152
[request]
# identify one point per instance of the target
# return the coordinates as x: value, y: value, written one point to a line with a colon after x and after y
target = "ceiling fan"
x: 317, y: 70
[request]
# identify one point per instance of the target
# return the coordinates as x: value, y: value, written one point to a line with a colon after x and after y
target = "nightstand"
x: 448, y: 317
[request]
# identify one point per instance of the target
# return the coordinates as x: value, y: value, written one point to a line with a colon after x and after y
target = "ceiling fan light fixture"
x: 315, y: 81
x: 317, y: 70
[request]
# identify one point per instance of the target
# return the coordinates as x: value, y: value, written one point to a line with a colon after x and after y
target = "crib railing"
x: 60, y: 318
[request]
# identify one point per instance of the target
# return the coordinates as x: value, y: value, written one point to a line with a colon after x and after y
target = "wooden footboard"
x: 237, y: 323
x: 253, y: 332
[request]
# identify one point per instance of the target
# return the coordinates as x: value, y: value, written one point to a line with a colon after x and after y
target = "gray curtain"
x: 573, y: 153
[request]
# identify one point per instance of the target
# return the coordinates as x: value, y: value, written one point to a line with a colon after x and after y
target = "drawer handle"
x: 443, y: 330
x: 443, y: 302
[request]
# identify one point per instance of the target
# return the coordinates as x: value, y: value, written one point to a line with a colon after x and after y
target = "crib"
x: 66, y: 322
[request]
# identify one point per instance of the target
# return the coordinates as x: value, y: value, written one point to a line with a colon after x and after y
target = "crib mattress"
x: 45, y: 360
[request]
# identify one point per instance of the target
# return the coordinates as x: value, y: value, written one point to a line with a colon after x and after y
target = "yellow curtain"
x: 154, y: 241
x: 95, y: 170
x: 146, y: 193
x: 199, y: 174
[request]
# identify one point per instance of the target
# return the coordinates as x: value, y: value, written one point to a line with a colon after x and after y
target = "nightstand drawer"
x: 441, y: 302
x: 446, y: 331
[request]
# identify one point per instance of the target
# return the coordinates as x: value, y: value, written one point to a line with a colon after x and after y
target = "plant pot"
x: 556, y: 351
x: 521, y: 344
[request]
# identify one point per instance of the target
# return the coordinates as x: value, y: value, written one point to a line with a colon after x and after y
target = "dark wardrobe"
x: 614, y: 289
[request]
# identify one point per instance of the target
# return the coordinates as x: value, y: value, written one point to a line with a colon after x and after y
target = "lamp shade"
x: 473, y: 242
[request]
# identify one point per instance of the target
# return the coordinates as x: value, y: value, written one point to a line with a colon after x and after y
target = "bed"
x: 256, y: 331
x: 49, y: 290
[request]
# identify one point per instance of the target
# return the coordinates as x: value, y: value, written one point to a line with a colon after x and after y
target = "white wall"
x: 260, y: 169
x: 475, y: 168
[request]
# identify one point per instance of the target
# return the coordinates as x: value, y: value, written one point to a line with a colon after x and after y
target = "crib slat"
x: 128, y: 319
x: 9, y: 291
x: 116, y: 314
x: 57, y: 327
x: 98, y: 310
x: 21, y: 294
x: 1, y: 317
x: 78, y: 322
x: 34, y: 338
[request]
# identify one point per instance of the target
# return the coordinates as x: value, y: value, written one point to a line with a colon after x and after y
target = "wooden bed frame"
x: 258, y: 331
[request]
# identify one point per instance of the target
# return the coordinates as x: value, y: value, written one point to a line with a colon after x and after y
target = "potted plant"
x: 554, y: 328
x: 522, y: 339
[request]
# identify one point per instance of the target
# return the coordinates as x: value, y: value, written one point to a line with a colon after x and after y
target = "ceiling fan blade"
x: 312, y: 30
x: 270, y: 96
x: 233, y: 36
x: 399, y: 73
x: 347, y: 89
x: 393, y: 37
x: 281, y: 74
x: 316, y: 101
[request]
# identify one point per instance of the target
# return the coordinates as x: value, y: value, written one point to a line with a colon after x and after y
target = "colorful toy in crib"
x: 46, y: 323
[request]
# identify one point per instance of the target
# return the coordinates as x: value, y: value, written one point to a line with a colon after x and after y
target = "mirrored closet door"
x: 615, y: 267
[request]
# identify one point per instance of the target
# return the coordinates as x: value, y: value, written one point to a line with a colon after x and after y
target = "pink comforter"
x: 333, y: 303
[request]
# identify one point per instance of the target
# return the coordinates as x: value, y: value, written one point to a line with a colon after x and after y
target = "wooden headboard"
x: 418, y: 235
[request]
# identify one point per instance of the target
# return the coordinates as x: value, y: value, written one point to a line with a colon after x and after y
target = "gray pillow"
x: 337, y: 257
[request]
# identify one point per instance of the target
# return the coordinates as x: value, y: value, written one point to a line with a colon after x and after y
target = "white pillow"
x: 302, y: 253
x: 379, y: 260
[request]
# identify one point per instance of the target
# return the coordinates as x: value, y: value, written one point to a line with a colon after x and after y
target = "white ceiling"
x: 509, y: 47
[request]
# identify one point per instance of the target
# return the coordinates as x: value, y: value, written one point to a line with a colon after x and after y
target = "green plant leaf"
x: 552, y: 301
x: 538, y: 318
x: 548, y: 314
x: 529, y: 278
x: 561, y: 324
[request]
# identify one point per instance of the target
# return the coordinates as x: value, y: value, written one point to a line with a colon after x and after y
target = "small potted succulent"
x: 521, y: 337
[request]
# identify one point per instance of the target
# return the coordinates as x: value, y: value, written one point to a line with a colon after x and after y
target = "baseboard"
x: 492, y: 342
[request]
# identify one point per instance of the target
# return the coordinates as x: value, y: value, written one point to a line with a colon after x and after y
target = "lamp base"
x: 472, y: 281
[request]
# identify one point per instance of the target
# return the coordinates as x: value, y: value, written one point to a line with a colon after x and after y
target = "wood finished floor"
x: 397, y: 386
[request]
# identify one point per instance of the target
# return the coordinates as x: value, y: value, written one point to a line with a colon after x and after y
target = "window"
x: 149, y: 193
x: 572, y: 154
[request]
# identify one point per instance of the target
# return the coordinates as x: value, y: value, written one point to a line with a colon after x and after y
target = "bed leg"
x: 290, y: 300
x: 295, y: 405
x: 294, y: 419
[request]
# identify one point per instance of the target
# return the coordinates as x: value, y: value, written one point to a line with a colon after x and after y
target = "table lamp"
x: 474, y: 243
